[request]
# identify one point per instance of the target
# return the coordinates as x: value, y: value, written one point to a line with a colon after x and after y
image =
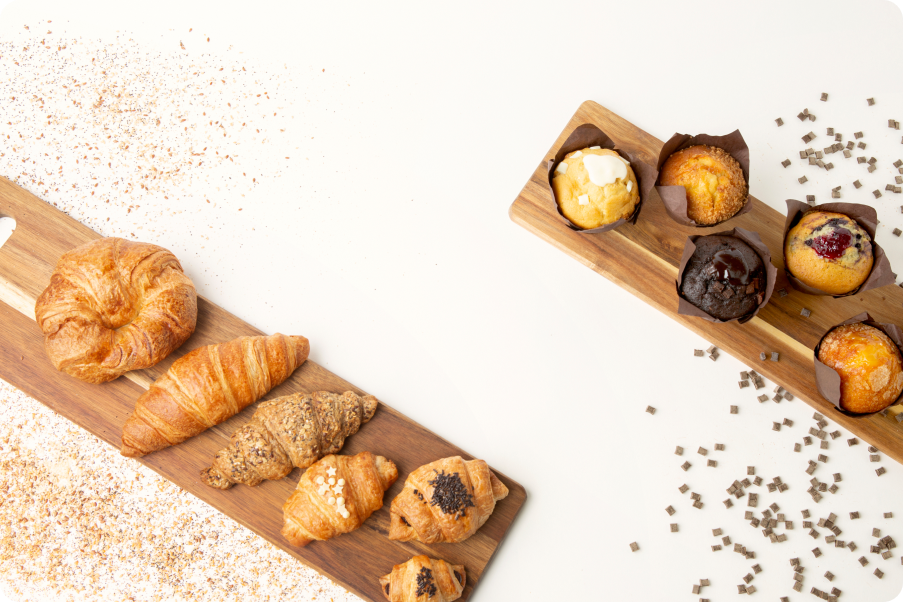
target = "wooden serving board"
x: 355, y: 560
x: 643, y: 258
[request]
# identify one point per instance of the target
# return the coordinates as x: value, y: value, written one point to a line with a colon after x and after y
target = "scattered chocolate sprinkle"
x: 871, y: 101
x: 879, y: 573
x: 425, y: 584
x: 797, y: 447
x: 880, y: 471
x: 785, y: 162
x: 853, y: 441
x: 698, y: 352
x: 650, y: 409
x: 775, y: 356
x: 803, y: 180
x: 450, y: 494
x: 734, y: 409
x: 779, y: 121
x: 634, y: 547
x: 686, y: 466
x: 674, y: 527
x: 712, y: 463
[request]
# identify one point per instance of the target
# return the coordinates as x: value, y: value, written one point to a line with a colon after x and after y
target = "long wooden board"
x: 355, y: 560
x: 643, y: 258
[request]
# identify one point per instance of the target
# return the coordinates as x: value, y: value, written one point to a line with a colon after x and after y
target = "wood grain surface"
x: 643, y: 258
x: 355, y: 560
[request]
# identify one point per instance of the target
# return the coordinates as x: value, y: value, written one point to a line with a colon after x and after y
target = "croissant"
x: 208, y: 385
x: 112, y: 306
x: 296, y: 430
x: 336, y: 495
x: 445, y: 501
x: 424, y: 578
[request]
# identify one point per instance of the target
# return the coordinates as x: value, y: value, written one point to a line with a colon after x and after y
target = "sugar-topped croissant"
x: 424, y: 578
x: 208, y: 385
x: 335, y: 496
x: 296, y: 430
x: 445, y: 501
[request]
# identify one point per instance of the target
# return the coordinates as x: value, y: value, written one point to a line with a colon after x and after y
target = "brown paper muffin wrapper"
x: 865, y: 216
x: 587, y: 135
x: 686, y: 308
x: 675, y: 197
x: 828, y: 380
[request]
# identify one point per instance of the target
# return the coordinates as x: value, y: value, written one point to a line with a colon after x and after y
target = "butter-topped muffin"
x: 829, y: 251
x: 716, y: 188
x: 869, y: 365
x: 595, y: 187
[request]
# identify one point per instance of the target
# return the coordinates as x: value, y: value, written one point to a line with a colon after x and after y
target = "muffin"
x: 595, y: 187
x: 725, y: 277
x: 716, y: 188
x: 869, y: 365
x: 829, y: 251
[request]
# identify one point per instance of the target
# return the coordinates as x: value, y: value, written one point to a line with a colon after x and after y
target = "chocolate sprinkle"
x: 450, y: 494
x: 425, y: 584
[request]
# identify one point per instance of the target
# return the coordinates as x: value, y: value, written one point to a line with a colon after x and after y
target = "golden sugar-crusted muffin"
x: 595, y: 187
x: 869, y: 365
x: 829, y: 251
x: 716, y: 189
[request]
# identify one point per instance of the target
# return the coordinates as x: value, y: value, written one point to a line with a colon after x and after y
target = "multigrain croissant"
x: 424, y: 578
x: 335, y: 496
x: 207, y: 386
x: 445, y: 501
x: 296, y: 430
x: 113, y: 306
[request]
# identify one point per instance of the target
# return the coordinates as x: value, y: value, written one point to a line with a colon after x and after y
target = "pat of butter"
x: 604, y: 169
x: 592, y: 147
x: 583, y: 199
x: 562, y: 168
x: 629, y: 185
x: 576, y: 154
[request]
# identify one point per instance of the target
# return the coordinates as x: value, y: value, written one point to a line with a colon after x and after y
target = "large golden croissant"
x: 445, y: 501
x: 208, y: 385
x: 113, y: 306
x: 296, y: 430
x: 424, y: 578
x: 336, y: 495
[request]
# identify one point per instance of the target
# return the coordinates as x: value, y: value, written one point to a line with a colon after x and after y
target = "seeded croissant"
x: 208, y: 385
x: 296, y: 430
x: 422, y: 578
x: 445, y: 501
x: 335, y: 496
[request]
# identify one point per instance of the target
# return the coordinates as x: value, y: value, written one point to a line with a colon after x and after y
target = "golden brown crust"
x: 113, y: 306
x: 716, y: 188
x: 288, y: 432
x: 309, y: 516
x: 208, y: 385
x: 833, y: 276
x: 869, y: 365
x: 435, y: 580
x: 604, y: 204
x: 420, y: 514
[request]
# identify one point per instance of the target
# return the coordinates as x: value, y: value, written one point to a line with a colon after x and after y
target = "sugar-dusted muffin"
x: 869, y: 365
x: 595, y: 187
x: 716, y: 188
x: 829, y: 251
x: 725, y: 277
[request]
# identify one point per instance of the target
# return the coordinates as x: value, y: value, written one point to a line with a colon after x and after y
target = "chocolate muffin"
x: 725, y: 277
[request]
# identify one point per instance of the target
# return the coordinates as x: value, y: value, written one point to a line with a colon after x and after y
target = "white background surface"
x: 391, y: 249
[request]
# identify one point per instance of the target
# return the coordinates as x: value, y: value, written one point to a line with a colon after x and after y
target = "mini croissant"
x: 445, y: 501
x: 207, y: 386
x: 296, y: 430
x: 335, y: 496
x: 424, y: 578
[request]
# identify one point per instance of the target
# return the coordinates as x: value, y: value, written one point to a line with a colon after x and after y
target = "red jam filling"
x: 831, y: 246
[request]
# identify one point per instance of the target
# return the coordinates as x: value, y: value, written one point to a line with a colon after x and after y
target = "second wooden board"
x: 643, y: 258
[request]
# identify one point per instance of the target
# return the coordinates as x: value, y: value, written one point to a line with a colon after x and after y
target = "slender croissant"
x: 296, y: 430
x: 114, y: 305
x: 445, y: 501
x: 336, y: 495
x: 424, y: 578
x: 208, y: 385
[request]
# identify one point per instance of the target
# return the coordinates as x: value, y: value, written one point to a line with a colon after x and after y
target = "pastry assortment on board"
x: 113, y: 306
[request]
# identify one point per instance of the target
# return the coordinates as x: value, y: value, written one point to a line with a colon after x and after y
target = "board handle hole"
x: 7, y: 225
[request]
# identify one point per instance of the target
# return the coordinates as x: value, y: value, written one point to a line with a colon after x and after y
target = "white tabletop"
x: 393, y: 140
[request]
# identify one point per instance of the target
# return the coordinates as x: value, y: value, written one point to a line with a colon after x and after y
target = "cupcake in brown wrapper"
x: 842, y: 257
x: 609, y: 190
x: 725, y: 276
x: 704, y: 180
x: 858, y: 365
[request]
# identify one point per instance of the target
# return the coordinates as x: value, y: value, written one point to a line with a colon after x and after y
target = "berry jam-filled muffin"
x: 595, y: 187
x: 725, y: 277
x: 829, y: 251
x: 869, y: 365
x: 716, y: 188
